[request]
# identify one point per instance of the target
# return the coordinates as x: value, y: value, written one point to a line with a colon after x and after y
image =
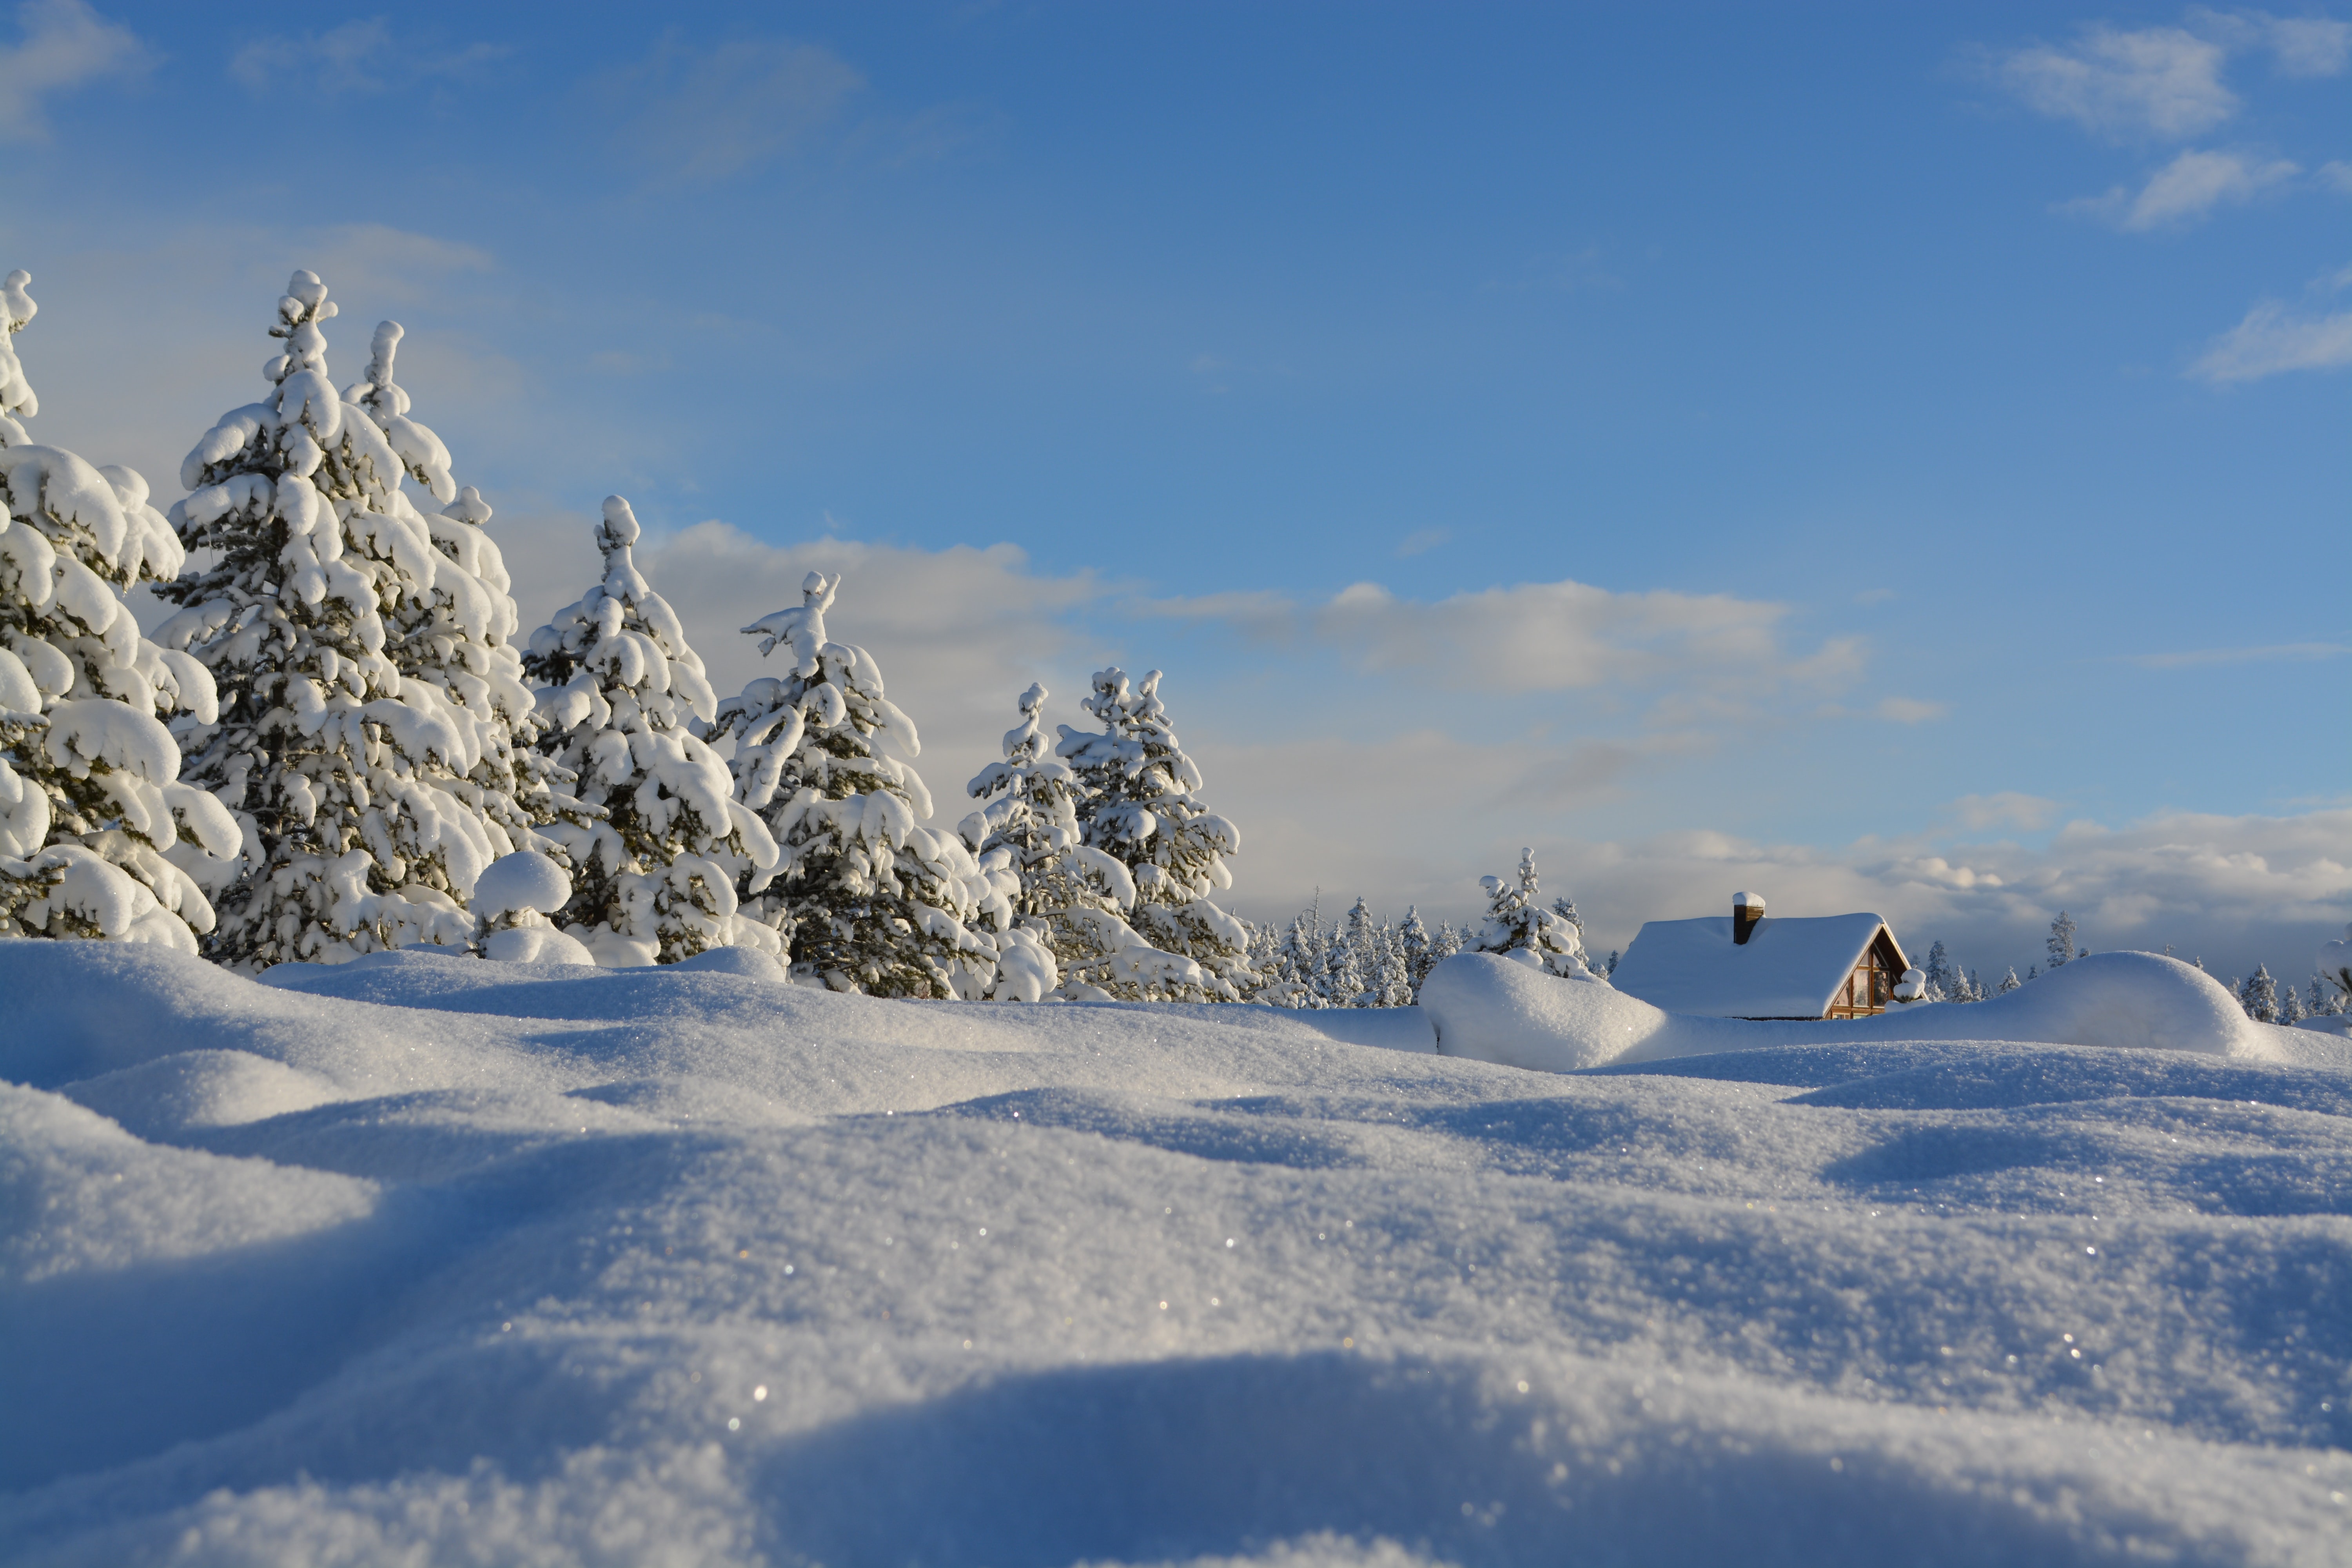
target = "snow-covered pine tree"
x: 1392, y: 977
x: 2291, y: 1008
x: 1140, y: 803
x: 332, y: 768
x: 1943, y: 980
x: 456, y: 638
x: 2009, y: 981
x: 868, y: 898
x: 2258, y: 995
x: 2060, y: 945
x: 654, y: 881
x: 1519, y: 925
x: 92, y: 816
x: 1414, y: 939
x: 1074, y: 896
x: 2336, y: 969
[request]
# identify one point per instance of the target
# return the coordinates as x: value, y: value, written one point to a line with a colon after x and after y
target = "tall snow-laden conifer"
x: 2258, y: 995
x: 1075, y: 896
x: 92, y: 816
x: 457, y: 637
x: 869, y: 898
x: 654, y: 880
x: 1141, y: 804
x: 1518, y: 926
x: 333, y: 765
x: 2061, y: 944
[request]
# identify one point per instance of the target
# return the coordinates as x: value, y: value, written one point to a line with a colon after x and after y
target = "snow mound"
x: 422, y: 1259
x: 1491, y: 1010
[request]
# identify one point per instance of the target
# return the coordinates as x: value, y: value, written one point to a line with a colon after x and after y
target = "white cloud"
x: 2295, y: 652
x: 1392, y: 822
x: 1422, y: 539
x: 2299, y: 45
x: 2006, y: 808
x: 1548, y: 637
x: 65, y: 44
x: 2165, y: 81
x: 358, y: 56
x: 2337, y: 175
x: 2273, y: 340
x: 711, y: 115
x: 2187, y: 190
x: 1909, y: 709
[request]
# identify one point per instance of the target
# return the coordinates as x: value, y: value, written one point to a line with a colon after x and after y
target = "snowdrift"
x: 1495, y: 1010
x: 432, y: 1259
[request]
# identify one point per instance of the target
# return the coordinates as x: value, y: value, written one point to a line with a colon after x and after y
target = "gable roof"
x: 1788, y: 968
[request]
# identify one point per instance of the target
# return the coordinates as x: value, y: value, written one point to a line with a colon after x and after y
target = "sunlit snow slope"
x: 428, y: 1260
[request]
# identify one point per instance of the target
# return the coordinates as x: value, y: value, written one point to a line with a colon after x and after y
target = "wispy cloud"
x: 707, y: 115
x: 64, y: 44
x: 2125, y: 83
x: 2298, y: 46
x: 2187, y: 190
x: 1909, y: 709
x: 1422, y: 539
x: 2004, y: 808
x: 357, y: 56
x: 2276, y: 653
x: 2275, y: 338
x: 1545, y: 637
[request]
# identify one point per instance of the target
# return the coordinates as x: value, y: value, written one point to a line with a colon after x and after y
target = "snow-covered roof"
x: 1788, y: 968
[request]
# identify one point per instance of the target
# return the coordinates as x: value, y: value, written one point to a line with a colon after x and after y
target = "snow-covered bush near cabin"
x: 457, y: 635
x: 91, y: 812
x: 868, y: 898
x: 336, y: 766
x: 654, y: 880
x: 1520, y: 927
x: 1076, y: 896
x: 1140, y: 804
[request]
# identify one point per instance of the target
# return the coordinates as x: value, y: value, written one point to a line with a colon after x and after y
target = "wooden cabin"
x: 1756, y: 966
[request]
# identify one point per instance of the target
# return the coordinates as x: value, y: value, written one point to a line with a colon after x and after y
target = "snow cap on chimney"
x: 1747, y: 914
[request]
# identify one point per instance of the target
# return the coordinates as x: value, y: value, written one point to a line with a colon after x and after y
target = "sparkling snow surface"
x: 428, y: 1260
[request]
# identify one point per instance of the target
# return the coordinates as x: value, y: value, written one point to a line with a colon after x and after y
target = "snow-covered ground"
x: 427, y: 1260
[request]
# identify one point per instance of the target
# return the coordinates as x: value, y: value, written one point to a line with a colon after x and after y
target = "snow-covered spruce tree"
x: 868, y: 898
x: 654, y: 880
x: 1074, y: 896
x: 2008, y: 981
x: 92, y: 815
x: 334, y: 765
x: 2291, y: 1010
x: 2258, y: 995
x: 2060, y: 945
x: 1943, y: 981
x: 456, y: 637
x: 1518, y: 926
x: 1414, y: 937
x: 1140, y: 803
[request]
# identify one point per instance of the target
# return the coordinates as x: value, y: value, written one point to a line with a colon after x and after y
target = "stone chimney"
x: 1747, y: 914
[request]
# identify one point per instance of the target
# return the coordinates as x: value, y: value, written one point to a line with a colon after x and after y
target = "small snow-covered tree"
x: 1944, y: 984
x: 334, y: 767
x: 1519, y: 926
x: 454, y: 640
x: 2291, y: 1008
x: 2336, y: 970
x: 94, y: 826
x: 1140, y: 803
x: 1414, y: 937
x: 869, y: 898
x: 1075, y: 896
x: 2258, y: 995
x: 2009, y: 981
x: 654, y: 880
x: 2060, y: 945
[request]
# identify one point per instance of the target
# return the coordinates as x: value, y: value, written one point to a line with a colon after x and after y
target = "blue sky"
x: 1891, y: 457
